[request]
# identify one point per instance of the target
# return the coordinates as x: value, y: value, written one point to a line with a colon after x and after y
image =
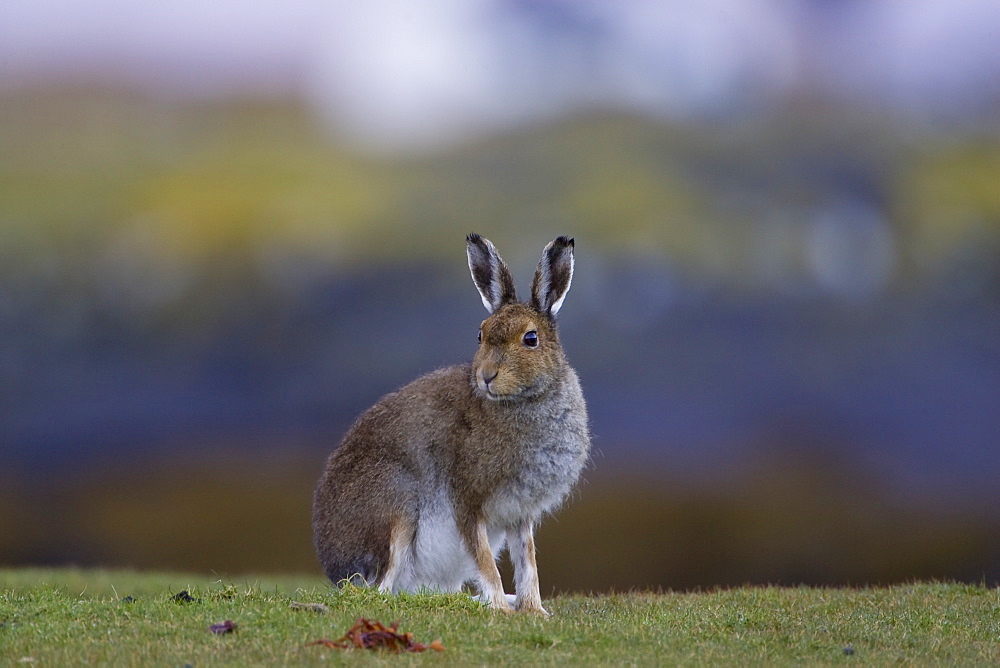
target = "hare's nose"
x: 488, y: 375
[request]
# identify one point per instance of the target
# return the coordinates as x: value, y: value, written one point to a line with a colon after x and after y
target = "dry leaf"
x: 370, y: 634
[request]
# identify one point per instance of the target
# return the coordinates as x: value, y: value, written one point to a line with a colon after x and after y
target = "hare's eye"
x: 531, y: 339
x: 480, y: 337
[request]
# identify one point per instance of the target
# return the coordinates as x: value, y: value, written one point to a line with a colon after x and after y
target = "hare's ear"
x: 489, y: 273
x: 553, y: 276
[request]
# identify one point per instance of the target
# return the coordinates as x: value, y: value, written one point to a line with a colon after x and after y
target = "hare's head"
x: 519, y: 354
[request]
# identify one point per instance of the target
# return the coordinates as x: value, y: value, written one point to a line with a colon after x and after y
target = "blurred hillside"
x: 197, y: 297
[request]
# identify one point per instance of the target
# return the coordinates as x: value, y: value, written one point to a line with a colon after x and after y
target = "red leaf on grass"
x: 370, y: 634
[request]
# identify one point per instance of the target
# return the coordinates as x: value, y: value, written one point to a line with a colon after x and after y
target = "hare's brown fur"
x: 430, y: 482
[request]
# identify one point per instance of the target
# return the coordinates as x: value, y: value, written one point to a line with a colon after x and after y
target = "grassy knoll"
x: 58, y: 617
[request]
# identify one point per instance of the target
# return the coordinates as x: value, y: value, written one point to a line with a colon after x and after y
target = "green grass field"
x: 60, y: 617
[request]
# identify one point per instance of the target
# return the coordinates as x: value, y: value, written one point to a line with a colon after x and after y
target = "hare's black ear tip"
x: 565, y: 241
x: 472, y: 238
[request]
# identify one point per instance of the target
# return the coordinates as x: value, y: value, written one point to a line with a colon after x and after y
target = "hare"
x: 432, y: 481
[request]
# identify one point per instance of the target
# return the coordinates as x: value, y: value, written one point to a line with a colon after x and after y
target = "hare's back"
x: 418, y: 411
x: 386, y: 449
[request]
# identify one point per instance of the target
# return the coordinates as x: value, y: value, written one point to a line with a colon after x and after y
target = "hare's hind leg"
x: 401, y: 534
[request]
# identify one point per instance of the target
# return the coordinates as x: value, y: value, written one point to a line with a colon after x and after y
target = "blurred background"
x: 226, y: 229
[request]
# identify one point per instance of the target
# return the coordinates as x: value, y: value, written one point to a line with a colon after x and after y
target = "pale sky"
x: 394, y: 71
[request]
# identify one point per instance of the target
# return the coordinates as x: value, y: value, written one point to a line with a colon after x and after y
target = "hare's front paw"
x: 503, y: 603
x: 532, y: 607
x: 500, y: 604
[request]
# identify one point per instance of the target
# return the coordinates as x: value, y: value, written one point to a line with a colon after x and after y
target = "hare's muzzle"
x: 485, y: 375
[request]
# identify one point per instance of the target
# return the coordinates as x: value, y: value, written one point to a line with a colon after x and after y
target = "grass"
x: 69, y: 617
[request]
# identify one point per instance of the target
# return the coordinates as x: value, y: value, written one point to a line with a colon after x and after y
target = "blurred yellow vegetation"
x: 951, y: 197
x: 78, y: 167
x: 240, y: 197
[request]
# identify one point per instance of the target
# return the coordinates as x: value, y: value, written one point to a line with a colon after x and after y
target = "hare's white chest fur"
x: 555, y: 454
x: 534, y: 492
